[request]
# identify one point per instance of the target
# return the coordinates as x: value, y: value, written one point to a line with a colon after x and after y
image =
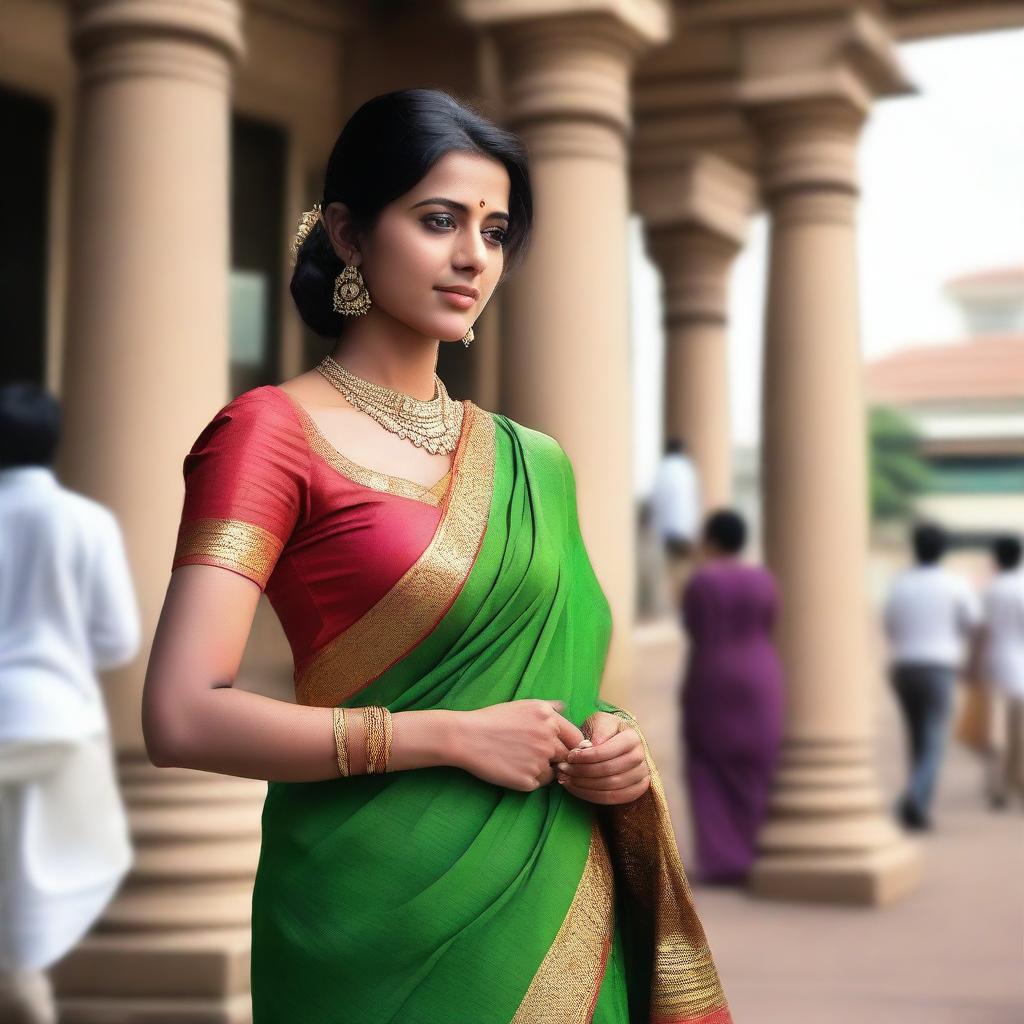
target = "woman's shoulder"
x: 257, y: 399
x: 531, y: 437
x: 262, y: 409
x: 730, y: 572
x: 259, y: 423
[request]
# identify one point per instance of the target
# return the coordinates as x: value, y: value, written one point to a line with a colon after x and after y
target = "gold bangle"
x: 378, y: 740
x: 377, y: 727
x: 368, y: 740
x: 341, y: 740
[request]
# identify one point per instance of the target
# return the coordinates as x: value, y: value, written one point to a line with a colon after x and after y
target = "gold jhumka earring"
x: 467, y: 337
x: 351, y: 296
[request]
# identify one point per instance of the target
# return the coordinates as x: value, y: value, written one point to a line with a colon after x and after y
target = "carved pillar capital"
x: 198, y: 41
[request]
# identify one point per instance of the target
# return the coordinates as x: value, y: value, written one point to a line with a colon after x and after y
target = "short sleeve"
x: 246, y: 487
x: 114, y: 627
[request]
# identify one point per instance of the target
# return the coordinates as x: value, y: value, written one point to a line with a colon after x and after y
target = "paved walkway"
x: 951, y: 953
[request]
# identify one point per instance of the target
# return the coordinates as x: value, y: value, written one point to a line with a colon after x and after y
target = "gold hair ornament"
x: 307, y: 222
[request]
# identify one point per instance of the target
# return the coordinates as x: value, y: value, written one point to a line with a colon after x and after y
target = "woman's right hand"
x: 514, y: 744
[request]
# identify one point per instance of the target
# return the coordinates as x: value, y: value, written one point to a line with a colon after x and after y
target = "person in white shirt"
x: 675, y: 511
x: 931, y: 616
x: 67, y: 611
x: 1002, y: 668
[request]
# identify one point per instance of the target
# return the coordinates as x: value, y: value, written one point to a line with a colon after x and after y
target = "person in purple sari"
x: 731, y: 700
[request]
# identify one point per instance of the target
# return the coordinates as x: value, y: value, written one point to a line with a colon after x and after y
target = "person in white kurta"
x: 675, y: 513
x: 1002, y: 662
x: 67, y: 611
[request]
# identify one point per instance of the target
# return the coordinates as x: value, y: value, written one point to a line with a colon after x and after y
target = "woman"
x: 437, y: 596
x: 732, y: 700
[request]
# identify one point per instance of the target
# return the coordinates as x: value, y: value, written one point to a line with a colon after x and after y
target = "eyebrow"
x: 452, y: 204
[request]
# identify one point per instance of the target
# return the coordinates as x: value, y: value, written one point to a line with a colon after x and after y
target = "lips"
x: 462, y: 290
x: 457, y: 299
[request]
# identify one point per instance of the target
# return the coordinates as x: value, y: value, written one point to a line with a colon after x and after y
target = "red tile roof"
x: 990, y: 367
x: 999, y: 276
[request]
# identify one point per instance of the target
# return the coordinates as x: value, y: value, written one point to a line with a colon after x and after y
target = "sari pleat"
x: 431, y: 896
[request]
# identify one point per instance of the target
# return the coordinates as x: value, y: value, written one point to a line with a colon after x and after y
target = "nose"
x: 472, y: 253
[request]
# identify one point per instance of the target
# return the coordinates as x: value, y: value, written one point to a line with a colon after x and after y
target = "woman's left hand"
x: 611, y: 771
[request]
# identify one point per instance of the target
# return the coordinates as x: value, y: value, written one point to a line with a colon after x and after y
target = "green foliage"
x: 898, y: 474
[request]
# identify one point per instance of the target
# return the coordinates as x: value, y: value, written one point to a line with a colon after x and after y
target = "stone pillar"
x: 565, y: 340
x: 146, y: 365
x: 830, y: 835
x: 695, y: 218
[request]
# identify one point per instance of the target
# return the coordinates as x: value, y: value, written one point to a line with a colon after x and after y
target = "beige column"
x: 146, y: 364
x: 695, y: 218
x: 830, y: 835
x: 565, y: 339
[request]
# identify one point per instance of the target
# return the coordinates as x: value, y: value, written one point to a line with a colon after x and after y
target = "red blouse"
x: 268, y: 497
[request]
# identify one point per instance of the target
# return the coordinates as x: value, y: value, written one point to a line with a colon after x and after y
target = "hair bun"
x: 312, y: 284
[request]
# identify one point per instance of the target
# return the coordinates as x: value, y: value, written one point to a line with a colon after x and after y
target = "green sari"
x: 431, y: 896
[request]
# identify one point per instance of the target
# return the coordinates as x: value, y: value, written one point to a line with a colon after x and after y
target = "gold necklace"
x: 434, y: 424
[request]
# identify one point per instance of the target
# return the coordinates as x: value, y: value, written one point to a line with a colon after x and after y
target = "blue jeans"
x: 925, y: 693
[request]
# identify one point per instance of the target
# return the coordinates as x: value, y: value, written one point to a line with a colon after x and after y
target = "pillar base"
x: 183, y: 978
x: 863, y: 878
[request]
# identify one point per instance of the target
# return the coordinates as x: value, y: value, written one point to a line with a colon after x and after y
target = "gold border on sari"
x: 412, y: 607
x: 387, y: 483
x: 685, y: 986
x: 565, y: 988
x: 229, y: 543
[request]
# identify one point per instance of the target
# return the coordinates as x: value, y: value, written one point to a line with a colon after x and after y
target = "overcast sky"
x: 942, y: 176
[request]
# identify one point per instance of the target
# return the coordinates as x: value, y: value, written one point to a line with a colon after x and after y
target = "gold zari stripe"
x: 387, y: 483
x: 230, y: 543
x: 565, y: 987
x: 413, y: 606
x: 684, y: 981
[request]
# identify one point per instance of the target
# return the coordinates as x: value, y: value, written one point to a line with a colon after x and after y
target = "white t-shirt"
x: 1003, y: 656
x: 67, y: 607
x: 929, y: 614
x: 675, y: 499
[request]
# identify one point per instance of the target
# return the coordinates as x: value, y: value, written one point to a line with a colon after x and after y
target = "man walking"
x: 1002, y: 660
x: 930, y: 617
x: 67, y: 610
x: 676, y: 512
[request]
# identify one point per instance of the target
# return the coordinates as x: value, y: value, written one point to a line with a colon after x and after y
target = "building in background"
x: 965, y: 400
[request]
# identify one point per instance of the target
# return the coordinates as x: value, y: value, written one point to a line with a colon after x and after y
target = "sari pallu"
x: 431, y: 896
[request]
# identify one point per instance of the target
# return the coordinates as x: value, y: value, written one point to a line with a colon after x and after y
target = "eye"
x: 440, y: 216
x: 500, y: 235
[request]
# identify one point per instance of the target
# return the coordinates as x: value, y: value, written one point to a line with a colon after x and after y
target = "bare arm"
x: 193, y: 717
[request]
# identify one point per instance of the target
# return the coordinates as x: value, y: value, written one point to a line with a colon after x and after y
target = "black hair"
x: 1007, y: 551
x: 727, y: 530
x: 30, y: 422
x: 387, y: 146
x: 929, y: 541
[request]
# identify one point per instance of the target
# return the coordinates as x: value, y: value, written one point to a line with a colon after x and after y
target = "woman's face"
x: 445, y: 233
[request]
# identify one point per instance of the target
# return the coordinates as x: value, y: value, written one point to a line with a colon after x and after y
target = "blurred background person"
x: 732, y: 700
x: 651, y: 592
x: 675, y: 506
x: 930, y: 616
x: 1002, y: 669
x: 67, y: 609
